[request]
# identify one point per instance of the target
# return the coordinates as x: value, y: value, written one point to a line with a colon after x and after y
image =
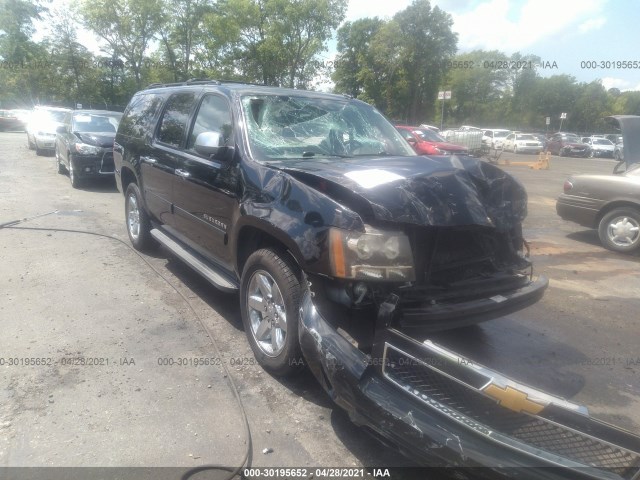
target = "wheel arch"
x: 612, y: 206
x: 127, y: 176
x: 252, y: 237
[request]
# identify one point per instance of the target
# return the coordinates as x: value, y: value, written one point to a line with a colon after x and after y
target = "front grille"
x: 423, y: 381
x: 445, y: 256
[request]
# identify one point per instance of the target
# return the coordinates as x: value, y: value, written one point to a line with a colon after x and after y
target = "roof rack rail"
x: 191, y: 81
x: 203, y: 81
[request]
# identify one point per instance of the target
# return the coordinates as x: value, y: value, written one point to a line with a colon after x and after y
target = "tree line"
x: 398, y: 64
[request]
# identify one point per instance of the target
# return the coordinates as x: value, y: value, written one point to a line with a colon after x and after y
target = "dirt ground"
x: 105, y: 358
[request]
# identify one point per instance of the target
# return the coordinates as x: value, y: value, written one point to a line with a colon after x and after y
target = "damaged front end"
x: 439, y: 408
x: 446, y: 251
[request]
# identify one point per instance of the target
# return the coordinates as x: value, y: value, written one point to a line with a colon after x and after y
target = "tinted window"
x: 428, y: 135
x: 138, y: 118
x: 213, y: 115
x: 407, y: 135
x: 175, y: 117
x: 102, y: 123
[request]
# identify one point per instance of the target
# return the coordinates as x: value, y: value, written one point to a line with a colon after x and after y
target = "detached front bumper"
x: 442, y: 409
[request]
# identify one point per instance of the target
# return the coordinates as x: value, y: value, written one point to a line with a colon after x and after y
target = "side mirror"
x: 61, y: 129
x: 208, y: 143
x: 412, y: 141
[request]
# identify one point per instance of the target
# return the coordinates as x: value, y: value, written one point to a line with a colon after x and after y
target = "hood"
x: 45, y: 127
x: 104, y: 140
x: 440, y: 191
x: 630, y: 126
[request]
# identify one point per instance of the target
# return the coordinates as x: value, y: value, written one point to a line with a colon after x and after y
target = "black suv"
x: 347, y: 249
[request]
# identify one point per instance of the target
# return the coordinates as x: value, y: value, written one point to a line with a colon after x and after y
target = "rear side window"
x: 138, y: 118
x: 175, y: 117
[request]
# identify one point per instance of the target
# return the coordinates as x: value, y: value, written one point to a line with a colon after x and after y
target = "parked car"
x: 84, y: 144
x: 493, y: 137
x: 567, y: 144
x: 430, y: 127
x: 42, y: 126
x: 522, y: 143
x: 9, y: 121
x: 618, y: 151
x: 543, y: 139
x: 428, y: 142
x: 610, y: 203
x: 614, y: 138
x: 599, y: 147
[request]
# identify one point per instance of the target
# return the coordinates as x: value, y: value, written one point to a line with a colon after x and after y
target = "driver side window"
x: 213, y: 115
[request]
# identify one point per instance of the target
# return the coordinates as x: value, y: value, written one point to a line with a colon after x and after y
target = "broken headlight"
x: 374, y: 255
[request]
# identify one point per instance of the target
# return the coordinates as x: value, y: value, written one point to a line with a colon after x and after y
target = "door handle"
x: 182, y: 173
x: 149, y: 160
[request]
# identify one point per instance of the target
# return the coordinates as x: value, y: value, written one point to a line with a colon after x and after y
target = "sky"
x: 565, y: 32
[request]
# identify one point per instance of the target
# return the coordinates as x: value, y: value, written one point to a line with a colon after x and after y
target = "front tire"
x: 30, y: 144
x: 61, y: 168
x: 270, y: 293
x: 619, y: 230
x: 138, y: 222
x: 73, y: 176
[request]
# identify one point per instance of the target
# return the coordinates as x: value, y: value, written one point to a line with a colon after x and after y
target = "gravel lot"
x: 104, y: 319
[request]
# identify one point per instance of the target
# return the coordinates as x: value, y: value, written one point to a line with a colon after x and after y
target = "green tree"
x: 398, y: 65
x: 127, y: 26
x: 182, y: 34
x: 354, y: 58
x: 478, y: 82
x: 271, y: 41
x: 16, y: 28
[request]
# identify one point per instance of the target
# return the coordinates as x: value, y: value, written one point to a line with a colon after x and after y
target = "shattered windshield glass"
x: 284, y: 127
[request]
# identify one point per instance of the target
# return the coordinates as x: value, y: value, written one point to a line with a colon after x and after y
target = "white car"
x: 493, y: 137
x: 600, y: 147
x: 41, y: 128
x: 517, y: 142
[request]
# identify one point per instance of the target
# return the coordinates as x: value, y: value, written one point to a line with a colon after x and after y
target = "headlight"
x: 375, y: 255
x: 84, y: 149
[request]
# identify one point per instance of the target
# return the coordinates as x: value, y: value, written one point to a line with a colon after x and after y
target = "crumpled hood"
x: 104, y: 140
x: 442, y: 191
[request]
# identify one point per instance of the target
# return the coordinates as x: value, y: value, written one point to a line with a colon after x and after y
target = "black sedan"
x: 84, y: 144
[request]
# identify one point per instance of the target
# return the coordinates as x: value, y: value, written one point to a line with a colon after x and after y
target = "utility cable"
x: 192, y: 471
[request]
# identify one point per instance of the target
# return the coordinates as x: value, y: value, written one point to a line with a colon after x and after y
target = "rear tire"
x: 619, y: 230
x: 138, y: 221
x: 270, y: 293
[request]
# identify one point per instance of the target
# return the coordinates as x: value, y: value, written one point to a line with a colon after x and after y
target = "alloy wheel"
x: 267, y: 313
